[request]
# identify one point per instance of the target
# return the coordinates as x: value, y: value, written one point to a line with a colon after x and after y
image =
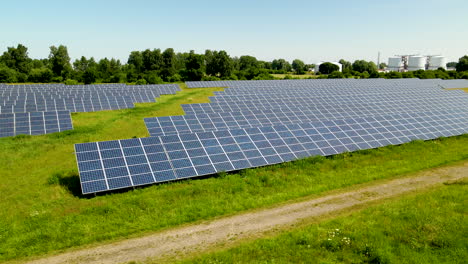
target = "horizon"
x: 266, y: 30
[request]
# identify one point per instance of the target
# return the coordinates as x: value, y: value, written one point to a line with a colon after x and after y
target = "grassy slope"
x: 42, y: 211
x: 430, y: 227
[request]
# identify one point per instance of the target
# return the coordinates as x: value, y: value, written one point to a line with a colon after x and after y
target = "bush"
x: 57, y: 79
x: 140, y: 82
x: 336, y: 75
x: 71, y: 82
x: 394, y: 75
x: 7, y: 75
x: 210, y: 78
x: 40, y: 75
x: 175, y: 78
x: 153, y: 78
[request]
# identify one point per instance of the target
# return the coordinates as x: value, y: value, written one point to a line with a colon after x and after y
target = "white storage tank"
x: 416, y: 63
x: 436, y: 62
x: 395, y: 64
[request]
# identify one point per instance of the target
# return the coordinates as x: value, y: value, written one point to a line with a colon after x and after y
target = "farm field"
x: 44, y: 211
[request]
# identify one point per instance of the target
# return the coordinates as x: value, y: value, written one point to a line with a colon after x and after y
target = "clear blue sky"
x: 309, y: 30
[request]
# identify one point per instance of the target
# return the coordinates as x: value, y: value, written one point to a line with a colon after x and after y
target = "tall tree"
x: 60, y: 61
x: 218, y: 63
x: 169, y: 61
x: 298, y: 66
x: 194, y: 67
x: 152, y: 60
x: 362, y: 66
x: 281, y: 65
x: 17, y: 59
x: 462, y: 64
x: 247, y: 62
x: 81, y: 66
x: 328, y: 67
x: 346, y: 65
x: 136, y: 59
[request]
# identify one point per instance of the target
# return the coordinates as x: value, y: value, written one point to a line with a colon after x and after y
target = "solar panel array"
x: 23, y: 106
x: 34, y: 123
x: 256, y: 123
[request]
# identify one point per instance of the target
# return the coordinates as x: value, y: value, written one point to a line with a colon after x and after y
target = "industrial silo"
x: 395, y: 64
x: 436, y: 62
x: 417, y: 63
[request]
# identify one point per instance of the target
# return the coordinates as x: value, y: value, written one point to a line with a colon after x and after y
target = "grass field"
x: 429, y: 227
x: 43, y: 211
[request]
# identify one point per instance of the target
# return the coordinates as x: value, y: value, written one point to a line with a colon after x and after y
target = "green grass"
x: 43, y: 212
x: 430, y: 227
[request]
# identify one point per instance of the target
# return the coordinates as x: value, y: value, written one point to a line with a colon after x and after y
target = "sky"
x: 313, y: 31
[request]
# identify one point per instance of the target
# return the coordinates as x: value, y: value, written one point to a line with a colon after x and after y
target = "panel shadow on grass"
x: 69, y: 180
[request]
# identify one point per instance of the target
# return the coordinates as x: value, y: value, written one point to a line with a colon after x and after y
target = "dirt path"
x: 186, y: 240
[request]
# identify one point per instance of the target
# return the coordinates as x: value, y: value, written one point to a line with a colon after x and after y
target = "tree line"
x: 157, y: 66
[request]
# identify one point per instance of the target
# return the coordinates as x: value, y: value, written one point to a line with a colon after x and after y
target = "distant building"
x: 403, y: 63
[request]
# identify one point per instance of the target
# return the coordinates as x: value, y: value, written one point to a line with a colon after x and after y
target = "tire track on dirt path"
x: 180, y: 242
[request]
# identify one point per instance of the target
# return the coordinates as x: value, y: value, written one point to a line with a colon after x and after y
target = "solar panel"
x: 256, y: 123
x: 126, y: 163
x: 34, y: 109
x: 211, y: 121
x: 34, y: 123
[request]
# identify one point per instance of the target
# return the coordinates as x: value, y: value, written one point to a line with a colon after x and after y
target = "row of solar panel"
x: 331, y: 96
x: 125, y: 163
x: 27, y: 109
x: 158, y: 126
x: 34, y: 123
x: 303, y: 102
x: 75, y: 104
x: 337, y: 88
x: 328, y: 82
x: 295, y: 82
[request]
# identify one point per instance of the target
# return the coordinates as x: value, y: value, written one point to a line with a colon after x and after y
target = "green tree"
x: 152, y: 60
x: 17, y: 59
x: 382, y: 66
x: 7, y: 75
x: 328, y: 67
x: 60, y: 61
x: 218, y: 63
x: 90, y: 75
x: 452, y: 64
x: 247, y: 62
x: 345, y: 65
x: 194, y: 67
x: 169, y: 61
x: 152, y: 77
x: 136, y: 59
x: 362, y: 66
x: 298, y: 66
x: 81, y: 65
x: 281, y: 65
x: 462, y: 64
x: 40, y: 75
